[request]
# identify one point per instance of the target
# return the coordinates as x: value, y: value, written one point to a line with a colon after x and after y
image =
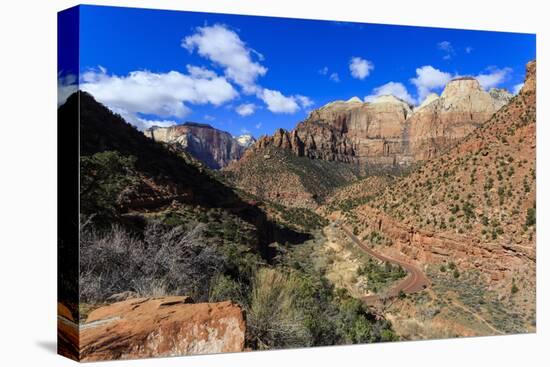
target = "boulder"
x: 161, y: 327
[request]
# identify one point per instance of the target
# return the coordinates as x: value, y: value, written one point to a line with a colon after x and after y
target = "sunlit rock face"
x: 214, y: 147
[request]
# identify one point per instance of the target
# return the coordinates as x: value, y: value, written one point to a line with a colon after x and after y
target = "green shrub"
x: 274, y: 318
x: 223, y: 288
x: 515, y: 288
x: 104, y: 178
x: 531, y: 217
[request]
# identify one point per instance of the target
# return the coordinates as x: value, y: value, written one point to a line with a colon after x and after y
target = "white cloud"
x: 493, y: 77
x: 323, y: 71
x: 429, y: 78
x: 445, y: 46
x: 517, y: 88
x: 160, y: 94
x: 278, y: 103
x: 258, y: 125
x: 245, y: 131
x: 209, y: 118
x: 334, y: 77
x: 393, y: 88
x: 146, y: 124
x: 246, y: 109
x: 200, y: 72
x: 448, y: 48
x: 224, y: 47
x: 360, y: 68
x: 303, y: 101
x: 469, y: 49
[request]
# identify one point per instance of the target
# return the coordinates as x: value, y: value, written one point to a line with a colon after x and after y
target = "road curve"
x: 414, y: 282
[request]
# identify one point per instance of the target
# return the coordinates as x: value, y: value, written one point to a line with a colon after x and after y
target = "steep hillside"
x: 357, y: 193
x: 275, y: 174
x: 474, y: 207
x: 148, y: 177
x: 214, y: 147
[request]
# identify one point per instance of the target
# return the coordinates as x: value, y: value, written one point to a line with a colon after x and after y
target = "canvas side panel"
x: 68, y: 183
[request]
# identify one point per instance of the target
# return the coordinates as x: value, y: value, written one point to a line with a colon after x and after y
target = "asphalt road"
x: 414, y: 282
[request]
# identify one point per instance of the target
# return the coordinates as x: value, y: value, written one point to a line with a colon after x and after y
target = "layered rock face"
x: 214, y: 147
x: 161, y: 327
x: 441, y: 123
x: 387, y: 132
x: 349, y: 131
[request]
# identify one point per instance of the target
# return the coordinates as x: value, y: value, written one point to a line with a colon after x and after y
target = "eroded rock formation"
x: 387, y: 132
x: 441, y: 123
x: 214, y: 147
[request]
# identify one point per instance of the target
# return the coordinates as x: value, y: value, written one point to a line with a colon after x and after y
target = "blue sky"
x: 255, y: 74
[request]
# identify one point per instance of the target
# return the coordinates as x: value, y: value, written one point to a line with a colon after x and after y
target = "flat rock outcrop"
x: 160, y: 327
x: 214, y: 147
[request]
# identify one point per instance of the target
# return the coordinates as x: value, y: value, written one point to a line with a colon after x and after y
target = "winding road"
x: 414, y: 282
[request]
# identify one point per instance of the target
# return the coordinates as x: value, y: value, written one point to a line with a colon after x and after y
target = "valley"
x: 368, y: 222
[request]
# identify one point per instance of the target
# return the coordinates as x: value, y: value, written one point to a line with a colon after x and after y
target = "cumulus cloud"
x: 159, y: 94
x: 493, y: 77
x: 279, y: 103
x: 246, y: 109
x: 517, y: 88
x: 428, y: 79
x: 225, y: 48
x: 392, y: 88
x: 324, y: 70
x: 360, y: 68
x: 334, y: 77
x: 258, y: 125
x: 469, y: 49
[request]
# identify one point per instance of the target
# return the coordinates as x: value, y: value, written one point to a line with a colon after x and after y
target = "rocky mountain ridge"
x: 216, y: 148
x: 388, y: 132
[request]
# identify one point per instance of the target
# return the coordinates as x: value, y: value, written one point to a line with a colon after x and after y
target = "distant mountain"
x: 216, y: 148
x: 163, y: 177
x: 444, y: 121
x: 346, y: 139
x: 387, y: 133
x: 245, y: 140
